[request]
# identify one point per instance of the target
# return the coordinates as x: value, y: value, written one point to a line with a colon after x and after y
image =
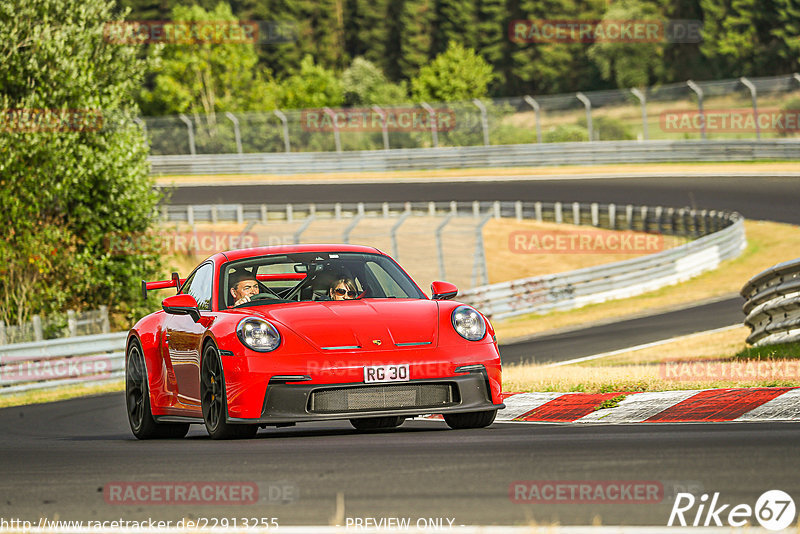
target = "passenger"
x: 342, y: 289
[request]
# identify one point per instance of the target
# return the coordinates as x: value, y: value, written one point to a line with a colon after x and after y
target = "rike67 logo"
x: 774, y: 510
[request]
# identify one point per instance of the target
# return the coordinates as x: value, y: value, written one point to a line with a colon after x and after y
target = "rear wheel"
x: 373, y: 423
x: 213, y: 401
x: 137, y: 396
x: 470, y: 419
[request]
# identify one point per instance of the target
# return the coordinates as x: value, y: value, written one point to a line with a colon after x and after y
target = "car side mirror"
x: 443, y: 290
x: 181, y: 304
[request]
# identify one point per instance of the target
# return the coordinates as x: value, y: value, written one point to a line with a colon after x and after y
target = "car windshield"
x: 314, y: 276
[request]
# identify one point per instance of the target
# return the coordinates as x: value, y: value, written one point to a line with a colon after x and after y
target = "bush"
x: 608, y: 129
x: 566, y: 133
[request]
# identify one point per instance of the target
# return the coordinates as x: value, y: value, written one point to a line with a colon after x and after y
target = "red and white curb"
x: 688, y: 406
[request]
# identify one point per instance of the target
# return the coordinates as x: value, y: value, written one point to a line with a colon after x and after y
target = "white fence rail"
x: 542, y: 294
x: 523, y: 155
x: 62, y: 362
x: 773, y: 304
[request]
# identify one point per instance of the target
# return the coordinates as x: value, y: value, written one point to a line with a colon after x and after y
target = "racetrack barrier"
x: 81, y: 360
x: 495, y: 156
x: 772, y: 306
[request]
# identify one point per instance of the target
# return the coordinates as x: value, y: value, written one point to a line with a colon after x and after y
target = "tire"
x: 213, y: 401
x: 470, y: 419
x: 374, y: 423
x: 137, y: 401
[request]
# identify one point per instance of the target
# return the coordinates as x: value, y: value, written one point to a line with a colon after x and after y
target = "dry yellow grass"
x: 56, y: 394
x: 611, y: 170
x: 768, y: 244
x: 661, y: 368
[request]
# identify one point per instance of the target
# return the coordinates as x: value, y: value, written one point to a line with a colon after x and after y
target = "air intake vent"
x: 389, y: 397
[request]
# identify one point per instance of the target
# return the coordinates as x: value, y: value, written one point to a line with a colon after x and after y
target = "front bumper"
x: 295, y: 402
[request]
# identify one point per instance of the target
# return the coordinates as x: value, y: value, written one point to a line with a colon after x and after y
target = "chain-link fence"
x: 754, y: 108
x: 69, y: 324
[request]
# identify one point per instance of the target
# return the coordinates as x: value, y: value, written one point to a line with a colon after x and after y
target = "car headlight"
x: 468, y: 323
x: 258, y: 334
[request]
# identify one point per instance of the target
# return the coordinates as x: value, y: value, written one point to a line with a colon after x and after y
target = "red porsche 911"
x: 273, y: 336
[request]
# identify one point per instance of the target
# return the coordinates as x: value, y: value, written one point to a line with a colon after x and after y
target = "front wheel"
x: 213, y: 401
x: 470, y: 419
x: 137, y: 398
x: 374, y: 423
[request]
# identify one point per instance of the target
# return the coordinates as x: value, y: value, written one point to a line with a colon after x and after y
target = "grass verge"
x: 698, y: 361
x: 57, y: 394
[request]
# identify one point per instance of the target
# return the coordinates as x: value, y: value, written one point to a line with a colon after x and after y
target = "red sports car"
x: 273, y: 336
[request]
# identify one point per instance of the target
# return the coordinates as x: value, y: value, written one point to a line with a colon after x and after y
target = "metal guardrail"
x: 71, y: 325
x: 573, y: 289
x: 523, y: 155
x: 773, y: 304
x: 61, y: 362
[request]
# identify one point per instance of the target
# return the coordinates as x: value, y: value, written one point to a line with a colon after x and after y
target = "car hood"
x: 375, y: 324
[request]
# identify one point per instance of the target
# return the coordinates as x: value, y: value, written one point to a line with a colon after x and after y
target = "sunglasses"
x: 342, y: 292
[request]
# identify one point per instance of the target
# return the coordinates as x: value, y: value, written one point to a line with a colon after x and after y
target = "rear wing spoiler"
x: 176, y: 281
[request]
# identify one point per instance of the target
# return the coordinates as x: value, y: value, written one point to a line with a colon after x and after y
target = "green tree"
x: 311, y: 86
x: 364, y: 84
x: 69, y: 180
x: 417, y: 27
x: 457, y: 74
x: 629, y: 64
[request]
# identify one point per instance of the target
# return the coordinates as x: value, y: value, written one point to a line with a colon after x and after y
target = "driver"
x: 342, y: 289
x: 243, y: 286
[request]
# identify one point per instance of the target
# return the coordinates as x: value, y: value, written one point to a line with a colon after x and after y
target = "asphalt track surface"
x: 761, y: 198
x: 57, y: 458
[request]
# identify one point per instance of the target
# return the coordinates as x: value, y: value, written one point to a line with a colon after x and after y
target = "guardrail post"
x: 595, y: 214
x: 704, y: 219
x: 336, y: 139
x: 558, y: 215
x: 384, y: 128
x: 588, y: 105
x: 289, y: 213
x: 432, y: 209
x: 264, y: 214
x: 576, y: 213
x: 37, y: 328
x: 537, y: 208
x: 214, y: 214
x: 612, y: 216
x: 699, y: 92
x: 536, y: 111
x: 190, y: 128
x: 659, y: 211
x: 671, y: 219
x: 190, y: 214
x: 454, y: 207
x: 496, y: 209
x: 645, y: 227
x: 72, y: 323
x: 484, y: 121
x: 432, y: 118
x: 239, y: 214
x: 518, y: 209
x: 337, y: 211
x: 643, y: 101
x: 476, y: 209
x: 236, y: 133
x: 278, y: 113
x: 385, y: 210
x: 3, y: 333
x: 439, y: 245
x: 106, y: 324
x: 393, y: 232
x: 480, y: 273
x: 747, y: 83
x: 629, y: 216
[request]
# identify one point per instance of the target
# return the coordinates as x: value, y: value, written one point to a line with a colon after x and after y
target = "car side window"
x: 199, y: 286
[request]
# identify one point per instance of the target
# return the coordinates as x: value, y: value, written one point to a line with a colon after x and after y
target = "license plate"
x: 386, y: 373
